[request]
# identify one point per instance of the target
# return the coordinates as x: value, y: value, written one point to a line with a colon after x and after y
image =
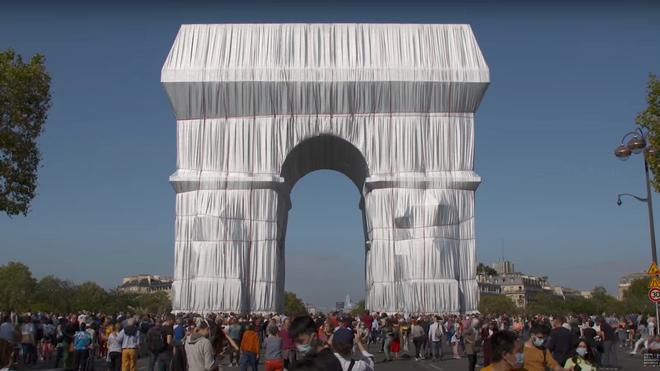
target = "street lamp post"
x: 636, y: 145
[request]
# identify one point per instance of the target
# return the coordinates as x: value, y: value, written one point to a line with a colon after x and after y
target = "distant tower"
x: 347, y: 302
x: 504, y: 267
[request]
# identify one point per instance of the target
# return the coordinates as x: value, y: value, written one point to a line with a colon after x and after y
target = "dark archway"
x: 324, y: 152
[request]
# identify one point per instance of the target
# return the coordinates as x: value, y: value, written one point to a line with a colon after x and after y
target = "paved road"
x: 626, y: 361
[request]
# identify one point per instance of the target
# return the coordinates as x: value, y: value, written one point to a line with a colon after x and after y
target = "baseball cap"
x: 342, y: 336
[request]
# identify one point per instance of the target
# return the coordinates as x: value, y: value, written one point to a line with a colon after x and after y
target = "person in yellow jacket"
x: 249, y: 349
x: 507, y: 352
x: 584, y: 357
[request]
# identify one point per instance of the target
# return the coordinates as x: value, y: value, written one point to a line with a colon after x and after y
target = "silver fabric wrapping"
x: 260, y: 105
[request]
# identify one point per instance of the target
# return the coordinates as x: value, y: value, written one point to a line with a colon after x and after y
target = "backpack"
x: 438, y: 331
x: 155, y: 340
x: 144, y: 326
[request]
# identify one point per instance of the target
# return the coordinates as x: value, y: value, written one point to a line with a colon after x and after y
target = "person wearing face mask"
x: 537, y: 357
x: 303, y: 333
x: 583, y: 358
x: 507, y: 352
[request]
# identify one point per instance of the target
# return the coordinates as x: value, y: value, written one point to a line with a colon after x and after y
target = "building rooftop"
x: 631, y: 277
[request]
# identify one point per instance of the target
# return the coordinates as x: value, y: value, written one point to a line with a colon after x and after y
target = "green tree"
x: 604, y: 302
x: 650, y: 120
x: 636, y: 299
x: 90, y: 296
x: 53, y: 294
x: 157, y: 302
x: 24, y: 104
x: 16, y: 287
x: 580, y: 306
x: 486, y: 270
x: 121, y: 302
x: 546, y: 303
x: 496, y: 304
x: 293, y: 306
x: 359, y: 308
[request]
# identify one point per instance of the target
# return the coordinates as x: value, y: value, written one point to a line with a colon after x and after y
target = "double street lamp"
x: 637, y: 144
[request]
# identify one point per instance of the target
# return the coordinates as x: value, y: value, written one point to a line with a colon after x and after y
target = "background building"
x: 345, y: 306
x: 504, y: 267
x: 487, y: 288
x: 520, y: 287
x: 567, y: 292
x: 311, y: 309
x: 145, y: 283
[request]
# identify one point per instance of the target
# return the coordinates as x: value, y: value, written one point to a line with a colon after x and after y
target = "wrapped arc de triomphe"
x: 391, y: 106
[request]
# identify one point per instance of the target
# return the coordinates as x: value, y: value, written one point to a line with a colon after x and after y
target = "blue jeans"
x: 248, y: 359
x: 29, y: 354
x: 437, y: 349
x: 386, y: 347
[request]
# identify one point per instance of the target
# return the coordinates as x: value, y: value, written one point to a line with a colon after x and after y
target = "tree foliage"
x: 635, y: 300
x: 90, y: 296
x: 605, y: 303
x: 546, y: 303
x: 293, y: 306
x: 650, y: 120
x: 16, y: 286
x: 579, y: 305
x: 157, y: 302
x: 496, y: 304
x: 636, y: 297
x: 599, y: 303
x: 20, y: 292
x: 53, y: 294
x: 486, y: 270
x: 359, y: 308
x: 24, y: 104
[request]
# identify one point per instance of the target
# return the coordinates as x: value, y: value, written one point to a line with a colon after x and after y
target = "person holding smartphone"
x: 583, y: 358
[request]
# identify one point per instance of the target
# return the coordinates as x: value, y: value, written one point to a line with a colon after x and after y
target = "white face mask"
x: 304, y: 348
x: 538, y: 341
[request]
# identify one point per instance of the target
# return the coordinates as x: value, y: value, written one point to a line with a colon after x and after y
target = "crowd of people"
x: 337, y: 341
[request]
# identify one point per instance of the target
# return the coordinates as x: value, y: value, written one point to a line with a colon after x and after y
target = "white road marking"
x: 425, y: 364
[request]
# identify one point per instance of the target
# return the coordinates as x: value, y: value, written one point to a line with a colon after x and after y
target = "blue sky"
x: 567, y: 82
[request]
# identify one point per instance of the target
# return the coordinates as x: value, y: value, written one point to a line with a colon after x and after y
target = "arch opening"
x: 324, y: 152
x: 324, y: 236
